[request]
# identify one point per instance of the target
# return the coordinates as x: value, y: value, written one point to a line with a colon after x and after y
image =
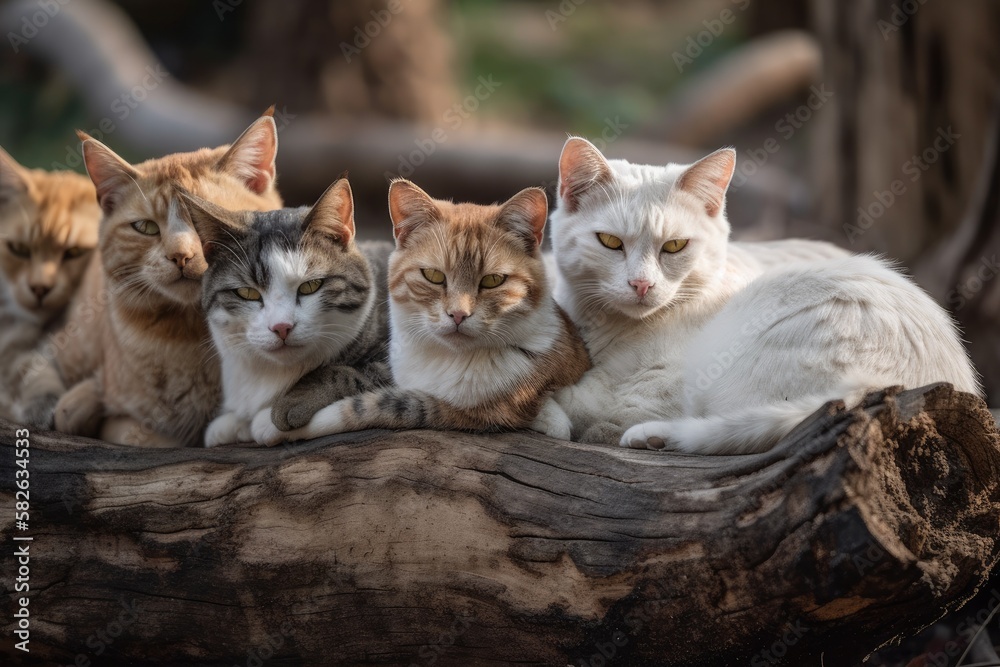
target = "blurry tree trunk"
x: 348, y: 57
x: 907, y: 155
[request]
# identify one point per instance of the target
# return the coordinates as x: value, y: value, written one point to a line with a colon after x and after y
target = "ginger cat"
x: 145, y: 369
x: 48, y: 230
x: 477, y: 340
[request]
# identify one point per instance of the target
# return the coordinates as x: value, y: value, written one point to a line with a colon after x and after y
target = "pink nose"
x: 282, y: 329
x: 459, y: 316
x: 641, y: 286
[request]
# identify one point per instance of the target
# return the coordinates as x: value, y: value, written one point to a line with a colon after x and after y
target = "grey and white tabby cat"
x: 297, y: 309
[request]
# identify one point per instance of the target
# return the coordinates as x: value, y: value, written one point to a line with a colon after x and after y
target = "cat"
x: 476, y: 338
x: 296, y: 307
x: 48, y: 231
x: 726, y: 345
x: 144, y: 372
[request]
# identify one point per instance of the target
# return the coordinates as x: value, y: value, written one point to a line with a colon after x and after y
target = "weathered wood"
x: 453, y: 549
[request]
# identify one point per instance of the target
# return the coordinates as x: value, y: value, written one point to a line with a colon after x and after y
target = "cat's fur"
x: 731, y: 343
x: 143, y: 360
x: 48, y: 231
x: 464, y: 355
x: 336, y: 336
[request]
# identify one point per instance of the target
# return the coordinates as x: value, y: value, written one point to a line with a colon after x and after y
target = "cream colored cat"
x: 146, y: 371
x: 48, y: 231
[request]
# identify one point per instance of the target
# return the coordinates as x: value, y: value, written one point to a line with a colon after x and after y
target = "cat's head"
x: 48, y: 230
x: 636, y: 240
x: 152, y: 256
x: 463, y: 275
x: 288, y: 286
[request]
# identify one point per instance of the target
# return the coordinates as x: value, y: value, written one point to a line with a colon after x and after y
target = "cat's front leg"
x: 324, y: 386
x: 80, y: 410
x: 552, y: 421
x: 123, y: 430
x: 226, y: 429
x: 326, y: 421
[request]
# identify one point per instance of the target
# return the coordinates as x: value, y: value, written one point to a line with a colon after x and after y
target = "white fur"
x: 257, y: 367
x: 801, y: 322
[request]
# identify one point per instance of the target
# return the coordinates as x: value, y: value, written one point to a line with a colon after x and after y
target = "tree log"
x: 426, y: 548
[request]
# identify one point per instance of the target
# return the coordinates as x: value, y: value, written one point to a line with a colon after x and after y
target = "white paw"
x: 224, y: 430
x: 553, y: 422
x: 264, y: 432
x: 651, y: 435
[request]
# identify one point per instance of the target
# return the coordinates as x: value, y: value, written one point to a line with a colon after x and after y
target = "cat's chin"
x: 184, y: 291
x: 639, y: 311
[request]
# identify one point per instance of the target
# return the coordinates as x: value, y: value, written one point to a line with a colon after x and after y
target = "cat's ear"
x: 409, y: 208
x: 110, y: 174
x: 708, y: 179
x: 581, y: 167
x: 525, y: 214
x: 216, y: 226
x: 13, y: 177
x: 333, y: 213
x: 251, y: 157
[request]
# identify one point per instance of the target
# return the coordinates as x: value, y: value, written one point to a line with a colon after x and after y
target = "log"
x: 425, y: 548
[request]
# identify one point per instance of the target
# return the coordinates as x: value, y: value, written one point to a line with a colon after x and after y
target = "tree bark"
x: 454, y: 549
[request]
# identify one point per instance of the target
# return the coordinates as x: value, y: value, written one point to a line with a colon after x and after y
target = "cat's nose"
x: 282, y: 329
x: 180, y: 258
x: 40, y: 291
x: 459, y: 316
x: 641, y: 286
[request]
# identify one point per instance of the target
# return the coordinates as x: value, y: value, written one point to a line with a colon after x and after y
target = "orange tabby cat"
x: 48, y: 229
x: 146, y: 368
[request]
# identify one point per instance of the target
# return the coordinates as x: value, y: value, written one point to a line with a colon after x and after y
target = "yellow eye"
x: 72, y: 253
x: 147, y: 227
x: 675, y: 246
x: 609, y: 241
x: 492, y: 280
x: 310, y: 287
x: 433, y: 275
x: 248, y: 293
x: 19, y: 249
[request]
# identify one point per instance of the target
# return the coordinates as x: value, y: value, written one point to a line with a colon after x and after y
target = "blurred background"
x: 874, y: 124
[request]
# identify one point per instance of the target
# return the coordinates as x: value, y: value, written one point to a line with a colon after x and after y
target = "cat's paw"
x: 79, y: 411
x: 295, y: 409
x: 226, y: 430
x: 40, y: 413
x: 264, y: 432
x: 552, y: 421
x: 605, y: 433
x: 651, y: 435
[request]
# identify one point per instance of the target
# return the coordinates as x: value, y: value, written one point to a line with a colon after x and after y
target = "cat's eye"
x: 73, y: 253
x: 675, y: 246
x: 433, y: 275
x: 492, y: 280
x: 248, y: 293
x: 147, y: 227
x: 609, y: 241
x: 310, y: 287
x: 19, y: 249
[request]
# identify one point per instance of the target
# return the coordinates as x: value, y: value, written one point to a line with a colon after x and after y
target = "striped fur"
x: 297, y: 352
x: 463, y: 356
x: 141, y: 360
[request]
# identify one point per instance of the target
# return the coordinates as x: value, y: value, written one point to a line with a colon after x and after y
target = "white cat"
x: 732, y: 344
